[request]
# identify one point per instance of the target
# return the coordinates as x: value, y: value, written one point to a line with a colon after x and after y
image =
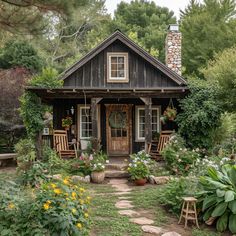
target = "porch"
x: 123, y: 123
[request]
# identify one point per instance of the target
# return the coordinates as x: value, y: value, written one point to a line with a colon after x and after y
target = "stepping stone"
x: 124, y: 204
x: 152, y: 229
x: 172, y: 233
x: 124, y: 198
x: 118, y: 181
x: 142, y: 221
x: 130, y: 213
x: 121, y: 193
x: 122, y: 187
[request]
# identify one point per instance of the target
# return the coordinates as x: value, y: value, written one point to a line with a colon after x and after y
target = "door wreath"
x: 117, y: 120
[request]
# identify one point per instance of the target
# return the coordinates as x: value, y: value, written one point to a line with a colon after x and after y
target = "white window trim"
x: 137, y: 108
x: 79, y: 131
x: 126, y: 68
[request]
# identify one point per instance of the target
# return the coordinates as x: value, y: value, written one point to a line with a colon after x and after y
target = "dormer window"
x: 117, y: 67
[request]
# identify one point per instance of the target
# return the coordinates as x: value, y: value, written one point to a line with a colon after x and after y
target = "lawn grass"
x: 106, y: 221
x: 147, y: 199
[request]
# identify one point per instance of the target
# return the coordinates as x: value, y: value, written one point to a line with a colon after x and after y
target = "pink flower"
x: 91, y: 157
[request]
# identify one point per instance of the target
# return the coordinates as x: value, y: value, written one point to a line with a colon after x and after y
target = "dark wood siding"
x: 141, y: 73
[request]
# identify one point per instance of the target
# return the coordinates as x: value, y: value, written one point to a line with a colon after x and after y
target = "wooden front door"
x: 118, y: 129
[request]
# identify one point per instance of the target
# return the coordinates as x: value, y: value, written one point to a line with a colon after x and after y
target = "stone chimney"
x: 173, y: 48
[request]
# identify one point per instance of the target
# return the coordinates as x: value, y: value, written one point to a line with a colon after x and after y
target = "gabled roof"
x: 117, y: 35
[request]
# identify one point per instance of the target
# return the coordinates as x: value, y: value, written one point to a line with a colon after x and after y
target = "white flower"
x: 180, y: 149
x: 197, y: 149
x: 130, y: 164
x: 103, y: 166
x: 179, y: 160
x: 107, y: 161
x: 134, y: 165
x: 91, y: 157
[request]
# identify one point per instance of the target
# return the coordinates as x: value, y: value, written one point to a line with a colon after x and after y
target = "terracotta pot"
x: 140, y: 182
x: 98, y: 176
x: 67, y: 128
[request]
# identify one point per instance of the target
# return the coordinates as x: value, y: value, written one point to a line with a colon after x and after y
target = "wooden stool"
x: 189, y: 211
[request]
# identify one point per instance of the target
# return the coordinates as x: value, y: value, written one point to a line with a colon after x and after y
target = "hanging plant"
x: 169, y: 114
x: 66, y: 122
x: 117, y: 120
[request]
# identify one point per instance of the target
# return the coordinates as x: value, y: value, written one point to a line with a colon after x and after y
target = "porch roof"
x: 48, y: 94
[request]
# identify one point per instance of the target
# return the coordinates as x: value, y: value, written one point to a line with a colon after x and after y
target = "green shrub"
x: 219, y: 197
x: 179, y: 159
x: 200, y: 115
x: 35, y: 175
x: 172, y: 193
x: 26, y: 153
x: 56, y: 208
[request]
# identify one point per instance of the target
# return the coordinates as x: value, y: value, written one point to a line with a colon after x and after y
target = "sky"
x: 174, y: 5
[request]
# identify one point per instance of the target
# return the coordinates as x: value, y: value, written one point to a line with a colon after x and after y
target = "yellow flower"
x: 82, y: 190
x: 46, y: 206
x: 128, y: 168
x: 48, y: 202
x: 53, y: 185
x: 73, y: 194
x: 81, y: 201
x: 11, y: 205
x: 79, y: 225
x: 57, y: 191
x: 65, y: 181
x: 86, y: 215
x: 67, y: 199
x: 73, y: 210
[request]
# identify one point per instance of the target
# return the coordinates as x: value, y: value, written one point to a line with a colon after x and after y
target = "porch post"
x: 95, y: 141
x: 148, y: 121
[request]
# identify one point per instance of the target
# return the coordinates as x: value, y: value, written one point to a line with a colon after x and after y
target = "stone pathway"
x: 125, y: 208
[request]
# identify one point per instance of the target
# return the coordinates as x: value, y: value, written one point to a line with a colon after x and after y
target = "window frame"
x: 137, y: 109
x: 124, y: 79
x: 79, y: 123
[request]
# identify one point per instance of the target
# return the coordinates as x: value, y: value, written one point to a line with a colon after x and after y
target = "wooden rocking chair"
x: 163, y: 140
x: 61, y: 144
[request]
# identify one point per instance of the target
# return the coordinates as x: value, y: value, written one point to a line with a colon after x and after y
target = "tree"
x: 222, y: 71
x: 31, y: 17
x: 207, y: 28
x: 69, y: 41
x: 12, y: 82
x: 200, y: 115
x: 146, y: 22
x: 20, y: 54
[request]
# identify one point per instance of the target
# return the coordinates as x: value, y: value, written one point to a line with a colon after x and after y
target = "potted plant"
x: 139, y: 168
x: 169, y: 114
x: 98, y: 167
x: 66, y: 122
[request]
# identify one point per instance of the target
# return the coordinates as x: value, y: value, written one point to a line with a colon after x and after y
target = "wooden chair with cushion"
x: 62, y: 146
x: 163, y: 140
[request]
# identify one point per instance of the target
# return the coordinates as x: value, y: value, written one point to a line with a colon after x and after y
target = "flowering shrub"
x: 179, y: 159
x: 98, y: 161
x: 139, y: 166
x: 56, y: 208
x: 202, y: 164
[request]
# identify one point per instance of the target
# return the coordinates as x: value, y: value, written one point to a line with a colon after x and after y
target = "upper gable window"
x: 117, y: 67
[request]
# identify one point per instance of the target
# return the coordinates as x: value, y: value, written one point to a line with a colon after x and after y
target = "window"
x: 117, y: 67
x: 140, y: 121
x: 85, y: 123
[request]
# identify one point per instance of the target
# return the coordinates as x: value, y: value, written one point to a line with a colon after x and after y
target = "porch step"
x: 115, y: 166
x: 116, y: 174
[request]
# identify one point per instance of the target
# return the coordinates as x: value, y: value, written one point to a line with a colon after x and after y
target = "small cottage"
x: 117, y: 93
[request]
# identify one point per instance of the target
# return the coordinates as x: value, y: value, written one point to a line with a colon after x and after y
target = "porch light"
x: 72, y: 110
